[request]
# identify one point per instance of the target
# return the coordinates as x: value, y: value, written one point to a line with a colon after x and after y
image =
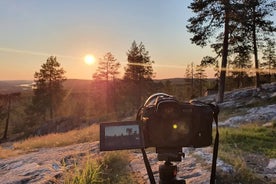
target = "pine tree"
x: 241, y: 64
x: 108, y: 68
x: 200, y: 77
x: 138, y: 72
x: 107, y: 71
x: 255, y: 16
x: 5, y: 110
x: 212, y: 15
x: 48, y: 89
x: 189, y: 75
x: 269, y: 57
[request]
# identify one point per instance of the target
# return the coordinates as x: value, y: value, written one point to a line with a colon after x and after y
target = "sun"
x: 89, y: 59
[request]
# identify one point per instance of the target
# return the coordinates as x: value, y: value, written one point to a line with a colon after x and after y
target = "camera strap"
x: 216, y: 144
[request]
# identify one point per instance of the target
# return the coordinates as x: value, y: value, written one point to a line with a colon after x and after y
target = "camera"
x: 162, y: 122
x: 168, y: 123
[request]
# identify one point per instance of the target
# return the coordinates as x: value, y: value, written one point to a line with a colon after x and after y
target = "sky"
x: 33, y: 30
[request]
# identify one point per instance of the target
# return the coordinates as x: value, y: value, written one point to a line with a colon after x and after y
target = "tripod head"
x: 170, y: 154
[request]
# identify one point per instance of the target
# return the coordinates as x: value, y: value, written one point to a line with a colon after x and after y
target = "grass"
x: 274, y: 123
x: 237, y: 143
x: 230, y: 112
x: 6, y: 153
x: 250, y: 138
x: 91, y: 173
x: 52, y: 140
x: 111, y: 168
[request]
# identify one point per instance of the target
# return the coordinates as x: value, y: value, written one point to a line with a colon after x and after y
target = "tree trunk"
x: 51, y: 98
x: 8, y: 118
x: 258, y: 83
x: 193, y: 95
x: 224, y: 54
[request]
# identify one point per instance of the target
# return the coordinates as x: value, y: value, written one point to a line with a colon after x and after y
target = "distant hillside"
x: 76, y: 85
x: 179, y: 81
x: 10, y: 86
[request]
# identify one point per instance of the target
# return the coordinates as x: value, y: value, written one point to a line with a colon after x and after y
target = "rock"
x: 272, y: 164
x: 42, y: 166
x: 258, y: 114
x: 267, y: 125
x: 273, y: 95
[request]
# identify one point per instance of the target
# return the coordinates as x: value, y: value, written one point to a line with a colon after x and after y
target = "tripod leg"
x: 147, y: 164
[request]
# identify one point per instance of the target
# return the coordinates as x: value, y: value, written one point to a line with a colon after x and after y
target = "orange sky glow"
x: 34, y: 30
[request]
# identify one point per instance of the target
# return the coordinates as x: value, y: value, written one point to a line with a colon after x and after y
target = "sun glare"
x: 89, y: 59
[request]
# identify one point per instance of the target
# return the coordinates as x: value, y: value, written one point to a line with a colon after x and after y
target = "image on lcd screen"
x: 116, y: 136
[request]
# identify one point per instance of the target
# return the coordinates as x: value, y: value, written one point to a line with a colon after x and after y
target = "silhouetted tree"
x: 255, y: 16
x: 241, y: 64
x: 210, y: 16
x: 5, y: 109
x: 107, y: 71
x: 200, y: 79
x: 189, y: 75
x: 48, y: 88
x: 269, y: 57
x: 129, y: 131
x: 139, y: 71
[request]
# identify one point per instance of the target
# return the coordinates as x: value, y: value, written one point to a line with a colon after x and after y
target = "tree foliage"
x: 139, y: 67
x: 211, y: 17
x: 269, y: 59
x: 108, y: 68
x: 200, y: 81
x: 107, y: 71
x: 6, y: 108
x: 256, y: 12
x: 233, y: 27
x: 48, y: 88
x: 240, y: 65
x: 189, y: 75
x: 138, y: 72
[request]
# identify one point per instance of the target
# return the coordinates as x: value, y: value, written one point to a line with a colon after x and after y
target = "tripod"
x: 167, y: 171
x: 167, y: 174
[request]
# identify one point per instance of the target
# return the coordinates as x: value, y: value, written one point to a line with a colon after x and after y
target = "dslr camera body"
x: 169, y: 124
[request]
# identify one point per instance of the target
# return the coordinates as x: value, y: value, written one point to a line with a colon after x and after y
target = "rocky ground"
x: 48, y: 165
x: 44, y: 165
x: 194, y: 168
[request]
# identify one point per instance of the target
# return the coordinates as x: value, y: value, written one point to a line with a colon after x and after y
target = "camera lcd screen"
x: 120, y: 136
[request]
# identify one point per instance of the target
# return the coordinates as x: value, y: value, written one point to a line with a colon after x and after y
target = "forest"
x: 55, y: 104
